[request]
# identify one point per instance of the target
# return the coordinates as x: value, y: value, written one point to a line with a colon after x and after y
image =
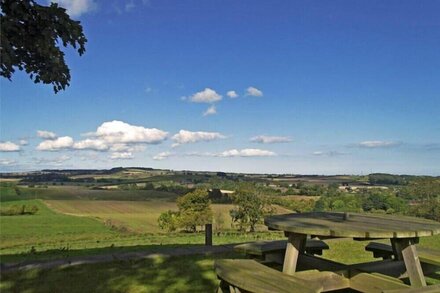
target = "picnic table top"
x: 353, y: 225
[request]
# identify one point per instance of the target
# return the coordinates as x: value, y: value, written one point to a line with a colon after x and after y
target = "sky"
x: 301, y: 87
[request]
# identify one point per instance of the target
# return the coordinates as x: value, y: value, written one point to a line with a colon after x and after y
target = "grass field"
x: 46, y: 227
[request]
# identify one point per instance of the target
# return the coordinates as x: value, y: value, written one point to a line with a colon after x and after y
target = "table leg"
x: 295, y: 246
x: 405, y: 249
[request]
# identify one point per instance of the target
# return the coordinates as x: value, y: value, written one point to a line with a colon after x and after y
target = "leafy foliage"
x: 168, y: 221
x: 250, y: 209
x: 194, y: 210
x: 30, y: 37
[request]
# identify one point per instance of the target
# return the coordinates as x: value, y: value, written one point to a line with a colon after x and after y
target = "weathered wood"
x: 251, y: 276
x: 295, y: 247
x: 310, y: 262
x: 208, y: 234
x: 426, y: 255
x: 366, y: 226
x: 382, y: 250
x: 261, y: 248
x: 373, y: 283
x: 328, y: 280
x: 427, y: 289
x: 406, y: 250
x: 388, y: 267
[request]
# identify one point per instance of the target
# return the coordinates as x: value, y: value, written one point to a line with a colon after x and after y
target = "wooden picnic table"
x: 404, y: 233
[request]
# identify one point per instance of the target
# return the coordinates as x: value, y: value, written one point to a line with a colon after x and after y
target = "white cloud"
x: 64, y: 142
x: 162, y: 156
x: 185, y: 136
x: 46, y: 134
x: 9, y: 146
x: 210, y: 111
x: 120, y: 132
x: 91, y: 144
x: 247, y: 153
x: 232, y: 94
x: 76, y: 7
x: 23, y: 142
x: 206, y: 96
x: 270, y: 139
x: 251, y: 91
x: 377, y: 144
x: 7, y: 162
x: 121, y: 156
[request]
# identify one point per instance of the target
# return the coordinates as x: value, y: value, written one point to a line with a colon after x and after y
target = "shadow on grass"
x: 153, y: 274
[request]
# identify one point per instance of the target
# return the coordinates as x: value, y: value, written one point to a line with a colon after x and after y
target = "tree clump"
x: 250, y: 209
x: 194, y: 211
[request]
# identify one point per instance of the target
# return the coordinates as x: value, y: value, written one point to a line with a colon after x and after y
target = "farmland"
x: 110, y: 212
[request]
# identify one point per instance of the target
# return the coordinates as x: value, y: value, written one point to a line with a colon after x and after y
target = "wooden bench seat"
x: 263, y: 249
x: 427, y: 289
x: 426, y: 255
x: 375, y: 283
x: 246, y: 275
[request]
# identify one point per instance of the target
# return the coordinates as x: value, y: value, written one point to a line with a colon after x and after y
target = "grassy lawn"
x: 151, y: 275
x: 157, y: 274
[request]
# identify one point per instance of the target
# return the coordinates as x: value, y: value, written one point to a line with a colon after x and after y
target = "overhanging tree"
x: 31, y: 35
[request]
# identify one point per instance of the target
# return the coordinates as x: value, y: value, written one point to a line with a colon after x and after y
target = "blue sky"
x: 322, y: 87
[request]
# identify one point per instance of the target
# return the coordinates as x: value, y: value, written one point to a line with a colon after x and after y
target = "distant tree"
x: 30, y: 37
x: 250, y: 209
x: 194, y: 210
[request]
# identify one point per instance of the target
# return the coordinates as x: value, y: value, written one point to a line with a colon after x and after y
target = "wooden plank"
x: 427, y: 289
x: 261, y: 248
x: 328, y: 280
x: 376, y: 283
x: 405, y: 249
x: 426, y: 255
x: 366, y: 226
x: 380, y: 250
x: 249, y: 275
x: 295, y: 246
x: 394, y: 268
x: 310, y: 262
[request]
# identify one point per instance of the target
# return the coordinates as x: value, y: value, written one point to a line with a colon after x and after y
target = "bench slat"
x: 426, y: 255
x: 373, y: 283
x: 252, y: 276
x: 427, y: 289
x: 260, y: 248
